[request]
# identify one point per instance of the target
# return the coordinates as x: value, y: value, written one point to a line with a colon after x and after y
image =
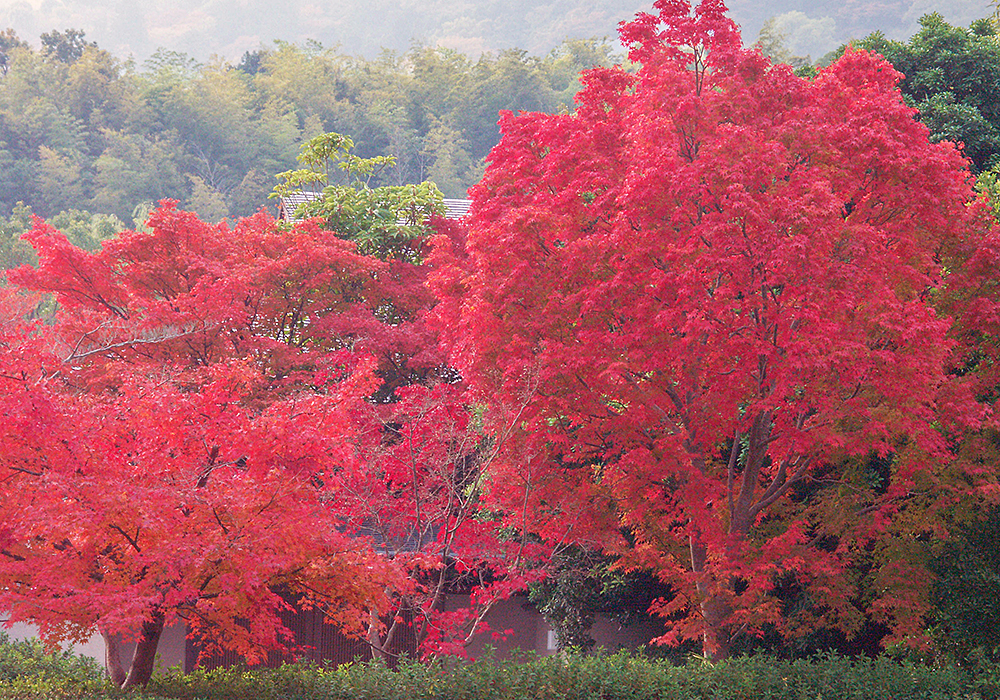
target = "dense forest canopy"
x: 82, y: 129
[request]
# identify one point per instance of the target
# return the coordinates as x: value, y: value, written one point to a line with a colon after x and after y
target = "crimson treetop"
x: 718, y: 281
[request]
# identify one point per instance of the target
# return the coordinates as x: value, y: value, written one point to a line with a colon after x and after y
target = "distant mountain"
x: 227, y: 28
x: 814, y: 27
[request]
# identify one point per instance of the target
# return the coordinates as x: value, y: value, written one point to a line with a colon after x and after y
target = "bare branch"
x: 151, y: 338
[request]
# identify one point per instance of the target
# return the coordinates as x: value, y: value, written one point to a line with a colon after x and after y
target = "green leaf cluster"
x: 386, y: 221
x: 28, y: 670
x: 952, y: 76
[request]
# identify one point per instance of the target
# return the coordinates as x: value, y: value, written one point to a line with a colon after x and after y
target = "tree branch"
x: 132, y: 541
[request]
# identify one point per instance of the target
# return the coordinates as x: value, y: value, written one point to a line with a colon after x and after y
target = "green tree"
x: 384, y: 115
x: 60, y: 179
x: 450, y: 166
x: 14, y: 251
x: 512, y: 81
x: 250, y: 63
x: 388, y: 221
x: 441, y: 86
x: 65, y: 47
x: 310, y: 80
x: 206, y: 201
x: 966, y: 600
x: 33, y: 114
x: 562, y: 67
x: 133, y: 169
x: 250, y: 195
x: 9, y: 41
x: 279, y: 139
x: 223, y: 126
x: 988, y: 184
x: 99, y: 92
x: 583, y: 583
x: 17, y: 178
x: 773, y: 43
x: 85, y: 229
x: 952, y: 76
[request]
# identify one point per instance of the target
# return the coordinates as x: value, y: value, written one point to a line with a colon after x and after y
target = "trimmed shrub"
x: 28, y: 673
x: 614, y: 677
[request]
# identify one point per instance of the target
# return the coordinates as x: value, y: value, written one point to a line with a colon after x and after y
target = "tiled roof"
x: 289, y: 203
x: 456, y: 208
x: 453, y: 208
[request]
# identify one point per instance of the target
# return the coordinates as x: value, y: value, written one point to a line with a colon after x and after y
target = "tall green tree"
x: 952, y: 76
x: 14, y: 251
x: 449, y: 166
x: 134, y: 169
x: 9, y: 40
x: 66, y: 46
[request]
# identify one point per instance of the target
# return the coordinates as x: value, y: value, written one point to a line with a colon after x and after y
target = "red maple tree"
x: 213, y: 419
x: 418, y: 488
x: 165, y: 430
x: 417, y: 491
x: 720, y: 285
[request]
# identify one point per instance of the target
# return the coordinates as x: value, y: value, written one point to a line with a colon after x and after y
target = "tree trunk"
x: 375, y: 641
x: 143, y: 659
x: 717, y: 637
x: 112, y: 658
x: 141, y: 669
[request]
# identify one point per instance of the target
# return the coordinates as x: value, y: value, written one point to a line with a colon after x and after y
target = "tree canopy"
x: 165, y: 431
x: 82, y: 129
x: 722, y: 288
x: 952, y: 76
x: 213, y: 419
x: 732, y: 326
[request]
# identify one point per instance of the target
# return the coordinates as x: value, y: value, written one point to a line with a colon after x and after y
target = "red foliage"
x: 213, y: 417
x: 712, y: 293
x: 417, y: 491
x: 163, y: 439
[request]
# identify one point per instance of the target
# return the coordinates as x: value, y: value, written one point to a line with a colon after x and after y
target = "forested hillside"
x: 92, y: 141
x: 81, y: 129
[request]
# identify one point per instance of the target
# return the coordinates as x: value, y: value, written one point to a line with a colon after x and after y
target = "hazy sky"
x: 227, y: 28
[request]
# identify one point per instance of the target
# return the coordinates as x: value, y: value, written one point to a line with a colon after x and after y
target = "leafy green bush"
x: 828, y: 677
x: 27, y: 673
x: 966, y: 596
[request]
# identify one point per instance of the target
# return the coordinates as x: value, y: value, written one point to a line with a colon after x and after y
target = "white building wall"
x: 169, y: 652
x: 20, y: 631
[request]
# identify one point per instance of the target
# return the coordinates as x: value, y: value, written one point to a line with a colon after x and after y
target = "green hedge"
x: 27, y: 673
x: 617, y: 677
